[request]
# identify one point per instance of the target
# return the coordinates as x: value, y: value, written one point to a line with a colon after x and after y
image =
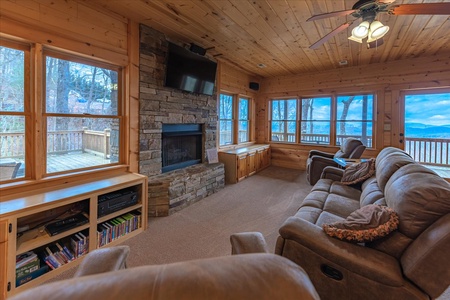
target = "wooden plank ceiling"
x: 275, y: 33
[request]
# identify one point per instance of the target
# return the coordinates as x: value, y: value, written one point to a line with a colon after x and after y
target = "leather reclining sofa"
x: 412, y: 262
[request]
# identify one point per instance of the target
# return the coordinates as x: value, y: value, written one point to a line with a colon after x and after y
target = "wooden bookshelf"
x: 18, y: 211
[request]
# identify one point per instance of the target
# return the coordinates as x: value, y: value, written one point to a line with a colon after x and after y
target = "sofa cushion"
x: 371, y: 193
x: 419, y: 196
x: 368, y: 223
x: 359, y: 172
x: 388, y: 161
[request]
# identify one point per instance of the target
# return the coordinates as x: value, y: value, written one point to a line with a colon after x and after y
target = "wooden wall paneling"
x: 396, y: 122
x: 42, y: 18
x: 234, y: 80
x: 426, y: 69
x: 32, y: 32
x: 132, y: 97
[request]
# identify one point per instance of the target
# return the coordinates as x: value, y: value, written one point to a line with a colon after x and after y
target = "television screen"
x: 189, y: 72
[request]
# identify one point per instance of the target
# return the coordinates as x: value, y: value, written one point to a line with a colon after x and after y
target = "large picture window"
x: 355, y: 118
x: 315, y: 120
x: 322, y: 120
x: 82, y: 115
x: 69, y: 119
x: 283, y: 120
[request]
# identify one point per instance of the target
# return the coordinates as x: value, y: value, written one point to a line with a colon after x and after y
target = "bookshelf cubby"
x: 24, y: 217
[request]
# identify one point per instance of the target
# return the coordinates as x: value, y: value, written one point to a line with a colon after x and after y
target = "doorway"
x: 426, y: 128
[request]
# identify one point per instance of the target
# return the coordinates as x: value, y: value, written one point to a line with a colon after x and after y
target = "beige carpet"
x: 259, y: 203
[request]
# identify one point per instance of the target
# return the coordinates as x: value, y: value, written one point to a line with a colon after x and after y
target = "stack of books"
x: 117, y: 227
x: 28, y: 267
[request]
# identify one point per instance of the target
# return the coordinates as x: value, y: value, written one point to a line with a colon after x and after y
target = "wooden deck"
x: 70, y: 161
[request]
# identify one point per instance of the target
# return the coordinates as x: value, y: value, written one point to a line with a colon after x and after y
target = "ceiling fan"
x: 370, y: 27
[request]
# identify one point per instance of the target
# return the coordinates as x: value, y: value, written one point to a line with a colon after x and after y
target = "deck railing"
x: 429, y: 151
x: 59, y: 142
x: 320, y: 139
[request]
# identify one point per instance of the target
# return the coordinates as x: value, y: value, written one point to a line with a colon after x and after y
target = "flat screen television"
x: 189, y: 71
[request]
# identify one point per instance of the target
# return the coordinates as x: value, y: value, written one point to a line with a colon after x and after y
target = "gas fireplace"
x: 182, y: 146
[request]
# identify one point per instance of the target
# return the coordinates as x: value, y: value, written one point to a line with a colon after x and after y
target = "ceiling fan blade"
x: 421, y: 9
x: 330, y: 35
x: 331, y: 14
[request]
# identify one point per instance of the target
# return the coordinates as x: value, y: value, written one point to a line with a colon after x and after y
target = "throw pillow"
x: 365, y: 224
x: 359, y: 172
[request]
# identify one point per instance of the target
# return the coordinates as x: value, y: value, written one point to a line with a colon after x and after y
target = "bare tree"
x: 344, y: 114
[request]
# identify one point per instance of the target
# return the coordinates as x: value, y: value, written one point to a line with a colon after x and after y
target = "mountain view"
x: 427, y: 115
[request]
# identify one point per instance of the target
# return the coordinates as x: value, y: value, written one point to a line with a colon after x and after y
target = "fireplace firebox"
x: 182, y: 146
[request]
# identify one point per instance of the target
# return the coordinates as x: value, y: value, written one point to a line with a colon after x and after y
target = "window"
x: 77, y: 124
x: 355, y: 118
x: 13, y: 111
x: 81, y: 115
x: 244, y: 134
x: 315, y: 120
x: 234, y: 119
x: 283, y: 120
x: 323, y: 120
x: 225, y: 119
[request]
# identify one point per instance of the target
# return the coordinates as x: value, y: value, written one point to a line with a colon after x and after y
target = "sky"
x: 429, y: 109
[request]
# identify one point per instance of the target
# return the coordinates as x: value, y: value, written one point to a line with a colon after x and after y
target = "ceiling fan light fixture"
x: 355, y: 39
x: 377, y: 30
x: 361, y: 31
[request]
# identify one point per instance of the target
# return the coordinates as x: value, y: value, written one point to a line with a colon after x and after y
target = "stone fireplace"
x: 170, y: 120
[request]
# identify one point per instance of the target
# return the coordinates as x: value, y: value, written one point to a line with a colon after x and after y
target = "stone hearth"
x: 170, y: 192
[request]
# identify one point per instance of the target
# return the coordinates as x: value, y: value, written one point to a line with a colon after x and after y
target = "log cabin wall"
x: 385, y: 80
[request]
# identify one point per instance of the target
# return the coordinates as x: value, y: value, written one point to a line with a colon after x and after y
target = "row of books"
x: 66, y: 250
x: 113, y: 229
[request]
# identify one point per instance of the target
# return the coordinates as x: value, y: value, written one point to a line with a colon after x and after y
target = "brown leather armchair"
x: 318, y: 160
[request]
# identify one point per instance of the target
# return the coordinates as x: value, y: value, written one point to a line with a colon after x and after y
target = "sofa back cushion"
x: 388, y: 161
x: 371, y: 193
x: 419, y: 196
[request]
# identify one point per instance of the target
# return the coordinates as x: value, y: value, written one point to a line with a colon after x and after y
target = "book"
x: 28, y: 277
x: 52, y: 258
x: 28, y: 268
x: 25, y: 258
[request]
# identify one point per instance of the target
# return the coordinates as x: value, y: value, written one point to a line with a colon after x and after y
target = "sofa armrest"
x: 367, y: 262
x: 320, y: 153
x: 332, y: 173
x: 103, y: 260
x: 248, y: 242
